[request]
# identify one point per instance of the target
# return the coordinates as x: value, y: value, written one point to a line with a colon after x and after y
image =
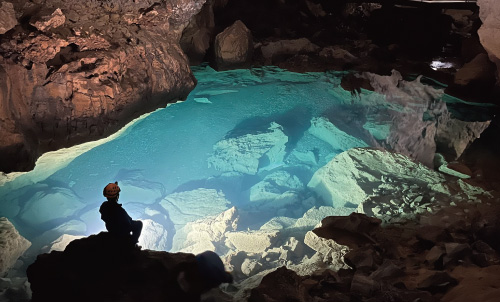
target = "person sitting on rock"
x: 118, y: 222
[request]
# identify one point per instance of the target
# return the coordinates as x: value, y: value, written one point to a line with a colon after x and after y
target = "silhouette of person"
x: 118, y: 222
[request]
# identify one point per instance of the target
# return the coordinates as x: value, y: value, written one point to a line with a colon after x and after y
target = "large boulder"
x: 248, y: 153
x: 12, y: 245
x: 453, y: 136
x: 359, y: 174
x: 233, y: 47
x: 273, y: 185
x: 85, y: 69
x: 60, y: 243
x: 325, y: 130
x: 102, y: 268
x: 251, y: 241
x: 206, y: 234
x: 153, y: 236
x: 187, y: 206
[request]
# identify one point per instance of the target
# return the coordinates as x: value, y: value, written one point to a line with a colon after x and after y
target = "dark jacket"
x: 116, y: 218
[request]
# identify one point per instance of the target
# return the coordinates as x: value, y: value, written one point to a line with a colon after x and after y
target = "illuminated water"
x: 169, y: 152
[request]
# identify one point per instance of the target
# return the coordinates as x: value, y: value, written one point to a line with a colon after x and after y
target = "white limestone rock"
x: 184, y: 207
x: 206, y: 234
x: 278, y: 223
x: 356, y: 175
x: 314, y: 215
x: 330, y: 251
x: 273, y: 185
x: 137, y: 188
x: 295, y: 247
x: 246, y: 152
x: 50, y: 204
x: 310, y: 151
x: 287, y: 204
x: 454, y: 136
x: 60, y: 243
x: 250, y: 267
x: 153, y: 236
x: 72, y: 227
x: 12, y: 245
x: 323, y: 129
x: 251, y: 241
x: 309, y: 265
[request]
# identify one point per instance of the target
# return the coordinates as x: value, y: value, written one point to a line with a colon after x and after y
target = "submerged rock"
x: 49, y: 204
x: 323, y: 129
x: 60, y: 243
x: 247, y: 153
x: 187, y: 206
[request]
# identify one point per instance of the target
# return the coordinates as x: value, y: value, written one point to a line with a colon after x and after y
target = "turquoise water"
x: 245, y: 134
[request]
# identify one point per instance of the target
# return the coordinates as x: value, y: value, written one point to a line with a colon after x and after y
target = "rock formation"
x: 101, y: 268
x: 233, y: 47
x: 436, y: 260
x: 77, y: 71
x: 12, y: 245
x: 489, y: 33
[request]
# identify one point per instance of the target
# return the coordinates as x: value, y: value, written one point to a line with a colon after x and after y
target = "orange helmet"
x: 111, y: 190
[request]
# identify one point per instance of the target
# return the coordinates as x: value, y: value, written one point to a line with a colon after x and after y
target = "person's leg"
x: 136, y: 230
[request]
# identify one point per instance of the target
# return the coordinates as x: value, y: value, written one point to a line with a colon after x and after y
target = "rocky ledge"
x: 450, y: 256
x: 75, y: 71
x: 100, y: 268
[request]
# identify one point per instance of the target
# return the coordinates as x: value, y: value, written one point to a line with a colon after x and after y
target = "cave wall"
x: 489, y: 33
x: 74, y: 71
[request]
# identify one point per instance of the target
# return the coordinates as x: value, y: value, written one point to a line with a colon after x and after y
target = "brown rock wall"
x: 74, y: 71
x: 489, y: 33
